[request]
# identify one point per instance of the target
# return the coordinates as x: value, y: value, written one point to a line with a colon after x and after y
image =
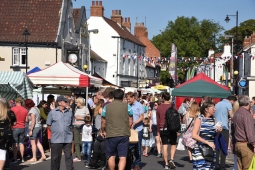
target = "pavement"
x: 148, y: 163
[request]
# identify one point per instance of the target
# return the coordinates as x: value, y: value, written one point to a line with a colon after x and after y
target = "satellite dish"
x: 72, y: 58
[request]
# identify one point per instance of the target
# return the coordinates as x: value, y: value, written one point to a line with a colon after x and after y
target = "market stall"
x: 15, y: 84
x: 198, y: 86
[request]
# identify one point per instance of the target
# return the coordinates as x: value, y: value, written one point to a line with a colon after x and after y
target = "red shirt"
x: 21, y: 114
x: 161, y: 112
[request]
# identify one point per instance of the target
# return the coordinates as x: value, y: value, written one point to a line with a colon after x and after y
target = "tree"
x: 164, y: 77
x: 245, y: 28
x: 193, y: 38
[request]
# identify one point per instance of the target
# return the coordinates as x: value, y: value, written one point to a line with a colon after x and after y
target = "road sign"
x: 242, y: 83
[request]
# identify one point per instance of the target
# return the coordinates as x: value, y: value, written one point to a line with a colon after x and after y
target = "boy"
x: 87, y: 139
x: 146, y: 136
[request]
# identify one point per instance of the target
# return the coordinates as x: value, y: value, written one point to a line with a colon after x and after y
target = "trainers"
x: 76, y: 160
x: 22, y: 160
x: 86, y: 165
x: 167, y: 167
x: 172, y: 164
x: 14, y: 161
x: 159, y: 155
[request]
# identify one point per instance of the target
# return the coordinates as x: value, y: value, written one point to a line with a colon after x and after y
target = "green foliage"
x: 245, y: 28
x: 164, y: 77
x: 189, y: 35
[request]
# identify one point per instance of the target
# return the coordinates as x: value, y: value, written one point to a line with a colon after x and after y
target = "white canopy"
x: 63, y: 74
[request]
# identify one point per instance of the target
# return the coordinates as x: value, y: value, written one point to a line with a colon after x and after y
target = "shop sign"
x: 2, y: 59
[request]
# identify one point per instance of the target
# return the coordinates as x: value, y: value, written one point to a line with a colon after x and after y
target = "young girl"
x: 146, y: 136
x: 87, y: 139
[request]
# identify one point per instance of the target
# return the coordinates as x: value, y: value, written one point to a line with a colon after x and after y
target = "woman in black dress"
x: 7, y: 120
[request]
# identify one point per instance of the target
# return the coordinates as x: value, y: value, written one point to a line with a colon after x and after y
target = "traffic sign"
x: 242, y: 83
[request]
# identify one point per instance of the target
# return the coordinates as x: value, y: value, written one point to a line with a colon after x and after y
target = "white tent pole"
x: 86, y: 100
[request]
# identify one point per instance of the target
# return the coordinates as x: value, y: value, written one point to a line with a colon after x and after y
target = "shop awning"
x: 15, y: 84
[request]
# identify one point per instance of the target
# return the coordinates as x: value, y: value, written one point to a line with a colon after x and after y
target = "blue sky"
x: 159, y: 12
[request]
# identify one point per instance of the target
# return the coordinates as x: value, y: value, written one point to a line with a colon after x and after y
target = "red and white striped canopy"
x: 63, y: 74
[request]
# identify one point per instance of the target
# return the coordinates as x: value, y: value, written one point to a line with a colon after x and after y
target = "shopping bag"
x: 133, y: 136
x: 152, y: 140
x: 252, y: 166
x: 180, y: 146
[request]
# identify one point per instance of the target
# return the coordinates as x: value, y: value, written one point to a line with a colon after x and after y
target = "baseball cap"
x: 62, y: 98
x: 18, y: 100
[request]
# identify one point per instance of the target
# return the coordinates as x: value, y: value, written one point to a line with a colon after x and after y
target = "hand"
x: 150, y: 130
x: 103, y: 134
x: 30, y: 133
x: 211, y: 145
x: 158, y: 134
x: 133, y: 125
x: 219, y: 129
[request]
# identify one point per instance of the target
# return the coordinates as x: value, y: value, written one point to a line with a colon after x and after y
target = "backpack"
x: 172, y: 120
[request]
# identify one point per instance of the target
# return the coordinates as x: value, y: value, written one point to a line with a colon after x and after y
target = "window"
x: 19, y: 57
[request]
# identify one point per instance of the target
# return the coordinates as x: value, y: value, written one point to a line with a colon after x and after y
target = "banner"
x: 173, y: 64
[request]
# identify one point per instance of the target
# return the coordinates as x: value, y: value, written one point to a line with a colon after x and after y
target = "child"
x: 87, y: 139
x: 146, y: 136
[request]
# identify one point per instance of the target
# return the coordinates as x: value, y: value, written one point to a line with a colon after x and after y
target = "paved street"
x: 148, y: 163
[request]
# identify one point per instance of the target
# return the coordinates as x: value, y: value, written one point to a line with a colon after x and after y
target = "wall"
x: 150, y: 73
x: 99, y: 67
x: 36, y: 57
x: 106, y: 47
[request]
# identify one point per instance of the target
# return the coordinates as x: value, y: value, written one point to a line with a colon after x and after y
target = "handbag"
x: 187, y: 136
x: 206, y: 151
x: 252, y: 166
x: 133, y: 139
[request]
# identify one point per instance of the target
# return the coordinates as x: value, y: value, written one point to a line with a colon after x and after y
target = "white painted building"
x: 124, y: 66
x: 207, y: 66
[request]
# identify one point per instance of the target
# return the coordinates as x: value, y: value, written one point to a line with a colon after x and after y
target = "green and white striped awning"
x: 15, y: 84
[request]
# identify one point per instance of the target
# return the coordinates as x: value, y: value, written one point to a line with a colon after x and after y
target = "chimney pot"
x: 129, y: 21
x: 112, y: 12
x: 96, y: 9
x: 116, y: 12
x: 100, y: 3
x: 119, y: 12
x: 93, y: 3
x: 96, y: 3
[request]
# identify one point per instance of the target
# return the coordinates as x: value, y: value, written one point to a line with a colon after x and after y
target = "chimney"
x: 246, y: 41
x: 126, y: 23
x: 253, y: 37
x: 227, y: 50
x: 116, y: 16
x: 97, y: 9
x: 140, y: 30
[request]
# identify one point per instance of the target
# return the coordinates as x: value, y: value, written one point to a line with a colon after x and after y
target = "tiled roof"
x: 96, y: 57
x: 41, y: 17
x: 217, y: 55
x: 123, y: 31
x: 211, y: 57
x: 151, y: 50
x: 76, y: 15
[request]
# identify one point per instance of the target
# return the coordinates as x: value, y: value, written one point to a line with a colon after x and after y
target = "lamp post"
x: 118, y: 38
x: 214, y: 57
x: 26, y: 34
x: 236, y: 79
x: 227, y: 19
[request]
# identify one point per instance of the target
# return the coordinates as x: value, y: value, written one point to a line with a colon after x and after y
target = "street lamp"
x: 236, y: 79
x: 227, y: 19
x: 118, y: 38
x: 26, y: 34
x: 95, y: 31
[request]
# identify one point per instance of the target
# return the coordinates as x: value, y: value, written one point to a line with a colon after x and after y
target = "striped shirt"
x: 244, y: 130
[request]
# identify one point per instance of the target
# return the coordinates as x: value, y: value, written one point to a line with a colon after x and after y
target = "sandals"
x: 42, y: 159
x: 32, y: 160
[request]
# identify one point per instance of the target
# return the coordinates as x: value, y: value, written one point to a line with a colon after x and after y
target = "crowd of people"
x: 98, y: 131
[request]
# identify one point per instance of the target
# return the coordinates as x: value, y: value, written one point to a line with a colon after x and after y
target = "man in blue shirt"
x: 138, y: 115
x: 60, y: 122
x: 222, y: 114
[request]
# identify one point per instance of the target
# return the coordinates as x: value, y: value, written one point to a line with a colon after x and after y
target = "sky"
x: 157, y: 13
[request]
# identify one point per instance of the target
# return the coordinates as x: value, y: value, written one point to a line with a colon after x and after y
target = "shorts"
x: 18, y: 135
x: 2, y: 155
x: 154, y: 130
x: 36, y: 133
x: 145, y: 142
x: 168, y: 137
x: 117, y: 146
